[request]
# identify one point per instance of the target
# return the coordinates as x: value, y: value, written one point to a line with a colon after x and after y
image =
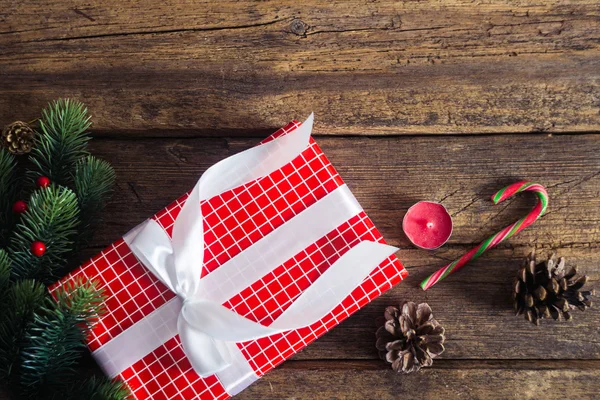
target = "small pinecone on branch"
x: 545, y: 289
x: 410, y: 337
x: 18, y: 137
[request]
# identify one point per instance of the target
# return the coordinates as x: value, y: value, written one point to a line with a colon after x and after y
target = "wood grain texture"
x: 364, y: 67
x: 177, y: 85
x: 390, y: 175
x: 445, y: 380
x: 448, y: 379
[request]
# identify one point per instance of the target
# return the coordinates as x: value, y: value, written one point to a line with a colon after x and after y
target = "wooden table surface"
x: 444, y: 100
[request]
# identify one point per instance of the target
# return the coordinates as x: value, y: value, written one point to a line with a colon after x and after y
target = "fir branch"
x: 62, y: 142
x: 51, y: 218
x: 96, y: 388
x: 82, y: 299
x: 52, y: 348
x: 56, y: 338
x: 5, y: 266
x: 8, y: 165
x: 22, y: 301
x: 41, y: 338
x: 8, y: 194
x: 94, y: 180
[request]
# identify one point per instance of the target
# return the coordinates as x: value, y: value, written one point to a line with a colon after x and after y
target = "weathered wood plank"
x: 447, y: 380
x: 390, y: 175
x: 365, y: 67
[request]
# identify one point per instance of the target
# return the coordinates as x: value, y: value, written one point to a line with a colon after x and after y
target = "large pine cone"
x: 18, y: 137
x: 410, y: 337
x: 544, y: 289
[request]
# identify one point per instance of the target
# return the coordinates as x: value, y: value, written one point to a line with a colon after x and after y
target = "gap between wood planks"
x: 444, y: 364
x: 260, y: 134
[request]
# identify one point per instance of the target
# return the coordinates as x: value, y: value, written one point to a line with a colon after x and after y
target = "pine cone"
x: 544, y: 290
x: 18, y: 137
x: 410, y: 338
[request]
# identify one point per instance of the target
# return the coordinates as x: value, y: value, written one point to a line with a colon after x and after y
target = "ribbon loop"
x: 152, y: 246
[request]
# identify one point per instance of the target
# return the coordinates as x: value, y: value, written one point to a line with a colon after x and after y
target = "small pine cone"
x: 410, y: 338
x: 18, y: 137
x: 544, y: 289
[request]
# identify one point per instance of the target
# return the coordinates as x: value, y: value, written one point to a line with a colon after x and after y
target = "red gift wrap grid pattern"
x: 233, y: 221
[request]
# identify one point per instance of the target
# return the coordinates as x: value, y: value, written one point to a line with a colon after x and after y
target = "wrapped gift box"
x: 232, y: 222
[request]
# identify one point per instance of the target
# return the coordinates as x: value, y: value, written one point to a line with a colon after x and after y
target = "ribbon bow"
x: 205, y: 327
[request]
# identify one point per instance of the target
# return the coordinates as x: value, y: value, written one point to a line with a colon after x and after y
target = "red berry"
x: 42, y: 182
x: 38, y: 248
x: 19, y: 207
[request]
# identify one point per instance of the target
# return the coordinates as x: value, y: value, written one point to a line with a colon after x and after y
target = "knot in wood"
x: 298, y: 27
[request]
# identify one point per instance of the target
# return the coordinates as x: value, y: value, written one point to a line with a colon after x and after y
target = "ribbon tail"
x: 334, y: 285
x: 221, y: 323
x: 318, y: 300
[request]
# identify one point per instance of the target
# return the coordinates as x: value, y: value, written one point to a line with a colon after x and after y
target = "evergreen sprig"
x: 41, y: 338
x: 51, y: 218
x: 94, y: 180
x: 8, y: 165
x: 8, y: 193
x: 23, y: 299
x: 63, y: 141
x: 82, y: 299
x: 56, y: 338
x: 5, y: 266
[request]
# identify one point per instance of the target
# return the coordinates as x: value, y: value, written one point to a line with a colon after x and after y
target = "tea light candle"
x: 427, y: 225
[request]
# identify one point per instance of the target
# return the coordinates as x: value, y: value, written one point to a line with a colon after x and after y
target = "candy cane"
x: 500, y: 196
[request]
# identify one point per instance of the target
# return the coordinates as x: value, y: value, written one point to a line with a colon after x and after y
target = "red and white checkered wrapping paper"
x: 232, y: 222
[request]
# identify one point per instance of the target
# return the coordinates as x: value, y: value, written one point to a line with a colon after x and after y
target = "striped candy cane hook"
x: 500, y: 196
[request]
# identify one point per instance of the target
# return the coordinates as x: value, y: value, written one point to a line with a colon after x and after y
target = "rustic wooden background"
x: 444, y: 100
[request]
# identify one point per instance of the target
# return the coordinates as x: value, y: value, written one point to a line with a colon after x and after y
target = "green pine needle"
x: 8, y: 163
x: 17, y: 312
x: 96, y: 388
x: 55, y: 340
x: 94, y: 180
x: 5, y: 266
x: 82, y: 299
x: 63, y: 140
x: 8, y: 193
x: 52, y: 217
x: 52, y: 348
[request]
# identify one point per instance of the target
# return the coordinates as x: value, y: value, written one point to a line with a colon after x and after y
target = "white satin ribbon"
x: 208, y: 330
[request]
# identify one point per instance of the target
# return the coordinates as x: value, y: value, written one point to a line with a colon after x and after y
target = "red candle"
x: 427, y: 225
